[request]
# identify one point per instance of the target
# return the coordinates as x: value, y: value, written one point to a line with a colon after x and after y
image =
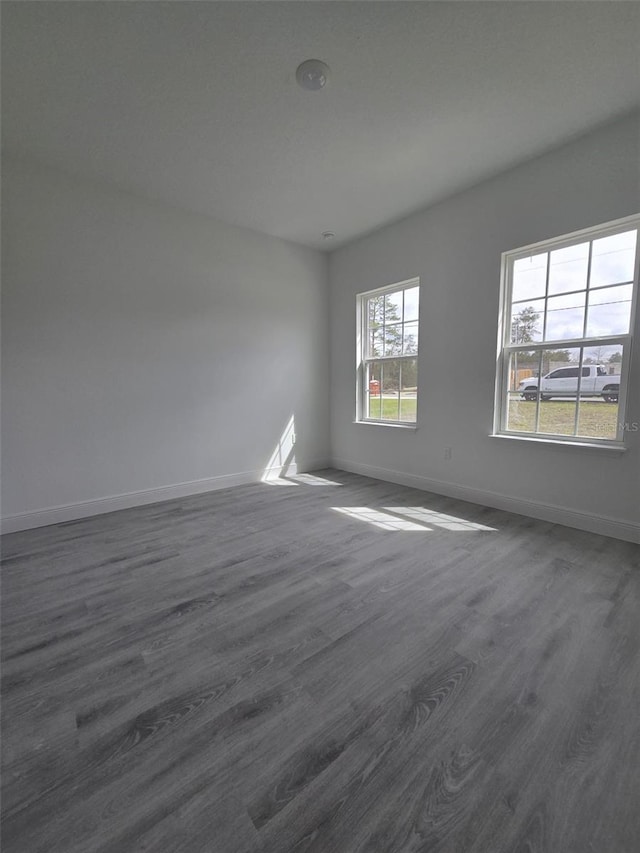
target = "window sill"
x: 410, y: 427
x: 612, y: 447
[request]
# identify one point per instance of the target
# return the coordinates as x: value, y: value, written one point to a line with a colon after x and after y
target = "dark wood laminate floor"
x: 254, y: 670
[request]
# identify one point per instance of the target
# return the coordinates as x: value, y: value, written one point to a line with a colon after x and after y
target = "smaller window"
x: 388, y: 353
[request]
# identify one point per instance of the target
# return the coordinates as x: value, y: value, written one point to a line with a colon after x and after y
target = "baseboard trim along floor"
x: 592, y: 523
x: 98, y: 506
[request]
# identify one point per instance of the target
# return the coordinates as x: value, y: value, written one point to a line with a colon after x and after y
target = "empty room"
x: 320, y: 427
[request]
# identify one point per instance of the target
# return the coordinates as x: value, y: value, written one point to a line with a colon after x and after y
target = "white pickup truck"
x: 563, y: 382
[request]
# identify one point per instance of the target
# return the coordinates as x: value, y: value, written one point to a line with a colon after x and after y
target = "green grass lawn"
x: 387, y: 408
x: 597, y: 419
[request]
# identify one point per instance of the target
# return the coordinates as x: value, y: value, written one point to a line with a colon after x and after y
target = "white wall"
x: 145, y: 347
x: 455, y: 247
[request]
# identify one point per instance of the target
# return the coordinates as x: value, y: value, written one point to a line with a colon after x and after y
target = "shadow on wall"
x: 282, y: 468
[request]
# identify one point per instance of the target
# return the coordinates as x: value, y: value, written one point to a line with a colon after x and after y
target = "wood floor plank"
x: 264, y: 670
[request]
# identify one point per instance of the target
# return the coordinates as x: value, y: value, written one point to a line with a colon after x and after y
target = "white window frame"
x: 505, y: 347
x: 363, y: 357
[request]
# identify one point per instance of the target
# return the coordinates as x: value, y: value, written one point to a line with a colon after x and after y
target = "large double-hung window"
x: 388, y: 354
x: 567, y: 317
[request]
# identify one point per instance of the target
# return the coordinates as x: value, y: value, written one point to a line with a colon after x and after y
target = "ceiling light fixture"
x: 328, y: 235
x: 312, y: 75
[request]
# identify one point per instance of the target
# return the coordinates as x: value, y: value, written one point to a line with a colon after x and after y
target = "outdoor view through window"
x: 389, y: 357
x: 567, y: 324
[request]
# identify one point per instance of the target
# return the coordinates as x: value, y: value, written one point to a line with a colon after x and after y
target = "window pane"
x: 375, y: 344
x: 568, y: 268
x: 560, y: 364
x: 409, y: 389
x: 529, y: 277
x: 373, y: 407
x: 375, y: 312
x: 522, y: 390
x: 599, y: 393
x: 597, y: 419
x: 609, y: 357
x: 557, y: 417
x: 393, y: 339
x: 526, y: 322
x: 613, y: 259
x: 565, y: 317
x: 391, y: 389
x: 410, y: 338
x: 411, y: 303
x: 609, y: 311
x: 393, y: 308
x: 558, y: 391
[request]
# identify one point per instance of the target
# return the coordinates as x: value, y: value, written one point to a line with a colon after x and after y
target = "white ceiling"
x: 196, y: 104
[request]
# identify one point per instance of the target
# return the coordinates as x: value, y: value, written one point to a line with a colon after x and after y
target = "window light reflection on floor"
x: 312, y: 480
x: 438, y: 519
x: 409, y: 518
x: 380, y: 519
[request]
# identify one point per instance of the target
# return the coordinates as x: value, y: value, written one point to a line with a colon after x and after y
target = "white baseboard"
x: 626, y: 530
x: 603, y: 525
x: 98, y: 506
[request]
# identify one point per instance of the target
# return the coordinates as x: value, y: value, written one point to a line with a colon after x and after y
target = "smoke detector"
x: 312, y: 75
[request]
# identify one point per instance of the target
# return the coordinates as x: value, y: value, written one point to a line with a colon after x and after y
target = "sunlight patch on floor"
x: 437, y: 519
x: 379, y: 519
x: 413, y: 518
x: 312, y: 480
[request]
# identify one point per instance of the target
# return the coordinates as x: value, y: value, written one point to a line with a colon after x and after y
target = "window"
x: 388, y: 354
x: 567, y: 314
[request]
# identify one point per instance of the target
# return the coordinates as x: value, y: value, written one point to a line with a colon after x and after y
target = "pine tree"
x: 386, y: 339
x: 524, y: 326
